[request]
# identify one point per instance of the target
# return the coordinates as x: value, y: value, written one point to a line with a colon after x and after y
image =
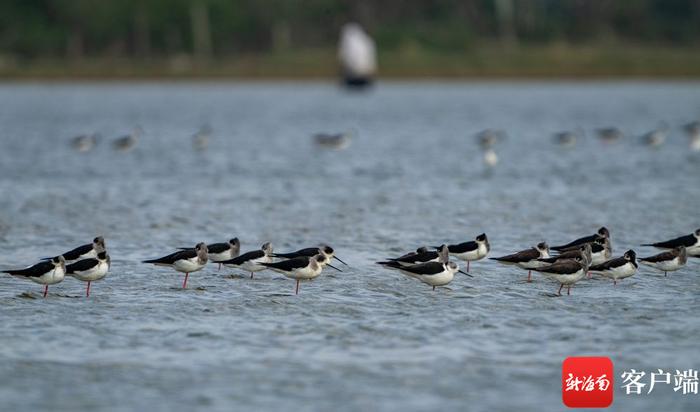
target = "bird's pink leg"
x: 46, y: 290
x: 87, y: 294
x: 184, y: 284
x: 589, y: 274
x: 560, y: 287
x: 467, y: 266
x: 529, y: 276
x: 297, y: 289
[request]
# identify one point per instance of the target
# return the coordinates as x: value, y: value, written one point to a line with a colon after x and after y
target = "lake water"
x: 367, y: 338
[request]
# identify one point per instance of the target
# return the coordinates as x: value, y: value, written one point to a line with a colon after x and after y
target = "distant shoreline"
x: 334, y: 82
x: 555, y: 62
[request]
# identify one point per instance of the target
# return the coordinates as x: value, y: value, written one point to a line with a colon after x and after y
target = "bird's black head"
x: 603, y: 231
x: 102, y: 255
x: 630, y: 255
x: 99, y: 240
x: 542, y: 246
x: 481, y: 237
x: 320, y: 258
x: 697, y: 233
x: 600, y: 240
x: 234, y: 241
x: 57, y: 260
x: 327, y: 249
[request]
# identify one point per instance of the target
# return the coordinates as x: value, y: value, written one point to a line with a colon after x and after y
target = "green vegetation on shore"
x: 297, y: 38
x: 559, y: 61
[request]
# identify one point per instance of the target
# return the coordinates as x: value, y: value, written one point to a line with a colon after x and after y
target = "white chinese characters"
x: 587, y: 383
x: 685, y: 381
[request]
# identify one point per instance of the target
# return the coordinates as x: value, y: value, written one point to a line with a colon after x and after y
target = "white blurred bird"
x: 357, y: 55
x: 490, y: 158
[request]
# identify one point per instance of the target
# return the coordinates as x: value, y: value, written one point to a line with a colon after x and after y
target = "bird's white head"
x: 483, y: 240
x: 59, y: 261
x: 235, y: 244
x: 326, y: 250
x: 202, y: 252
x: 452, y: 267
x: 99, y: 244
x: 267, y: 248
x: 443, y: 254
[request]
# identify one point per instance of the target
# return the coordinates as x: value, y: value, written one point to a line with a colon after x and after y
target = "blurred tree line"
x: 141, y: 29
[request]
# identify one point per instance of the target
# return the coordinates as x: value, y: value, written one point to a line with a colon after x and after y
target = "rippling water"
x: 366, y: 338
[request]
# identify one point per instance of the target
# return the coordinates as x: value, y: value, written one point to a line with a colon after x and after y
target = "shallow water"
x: 366, y: 338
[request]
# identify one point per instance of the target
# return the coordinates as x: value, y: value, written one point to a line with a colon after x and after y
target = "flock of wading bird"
x: 572, y: 261
x: 654, y: 138
x: 487, y: 139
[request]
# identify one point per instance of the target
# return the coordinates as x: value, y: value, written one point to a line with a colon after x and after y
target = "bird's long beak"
x: 339, y: 260
x: 465, y: 273
x: 328, y: 264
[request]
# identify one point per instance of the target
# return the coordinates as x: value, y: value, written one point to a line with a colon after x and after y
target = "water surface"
x: 366, y: 338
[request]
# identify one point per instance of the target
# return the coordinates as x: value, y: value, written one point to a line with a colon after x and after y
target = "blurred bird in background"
x: 357, y: 56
